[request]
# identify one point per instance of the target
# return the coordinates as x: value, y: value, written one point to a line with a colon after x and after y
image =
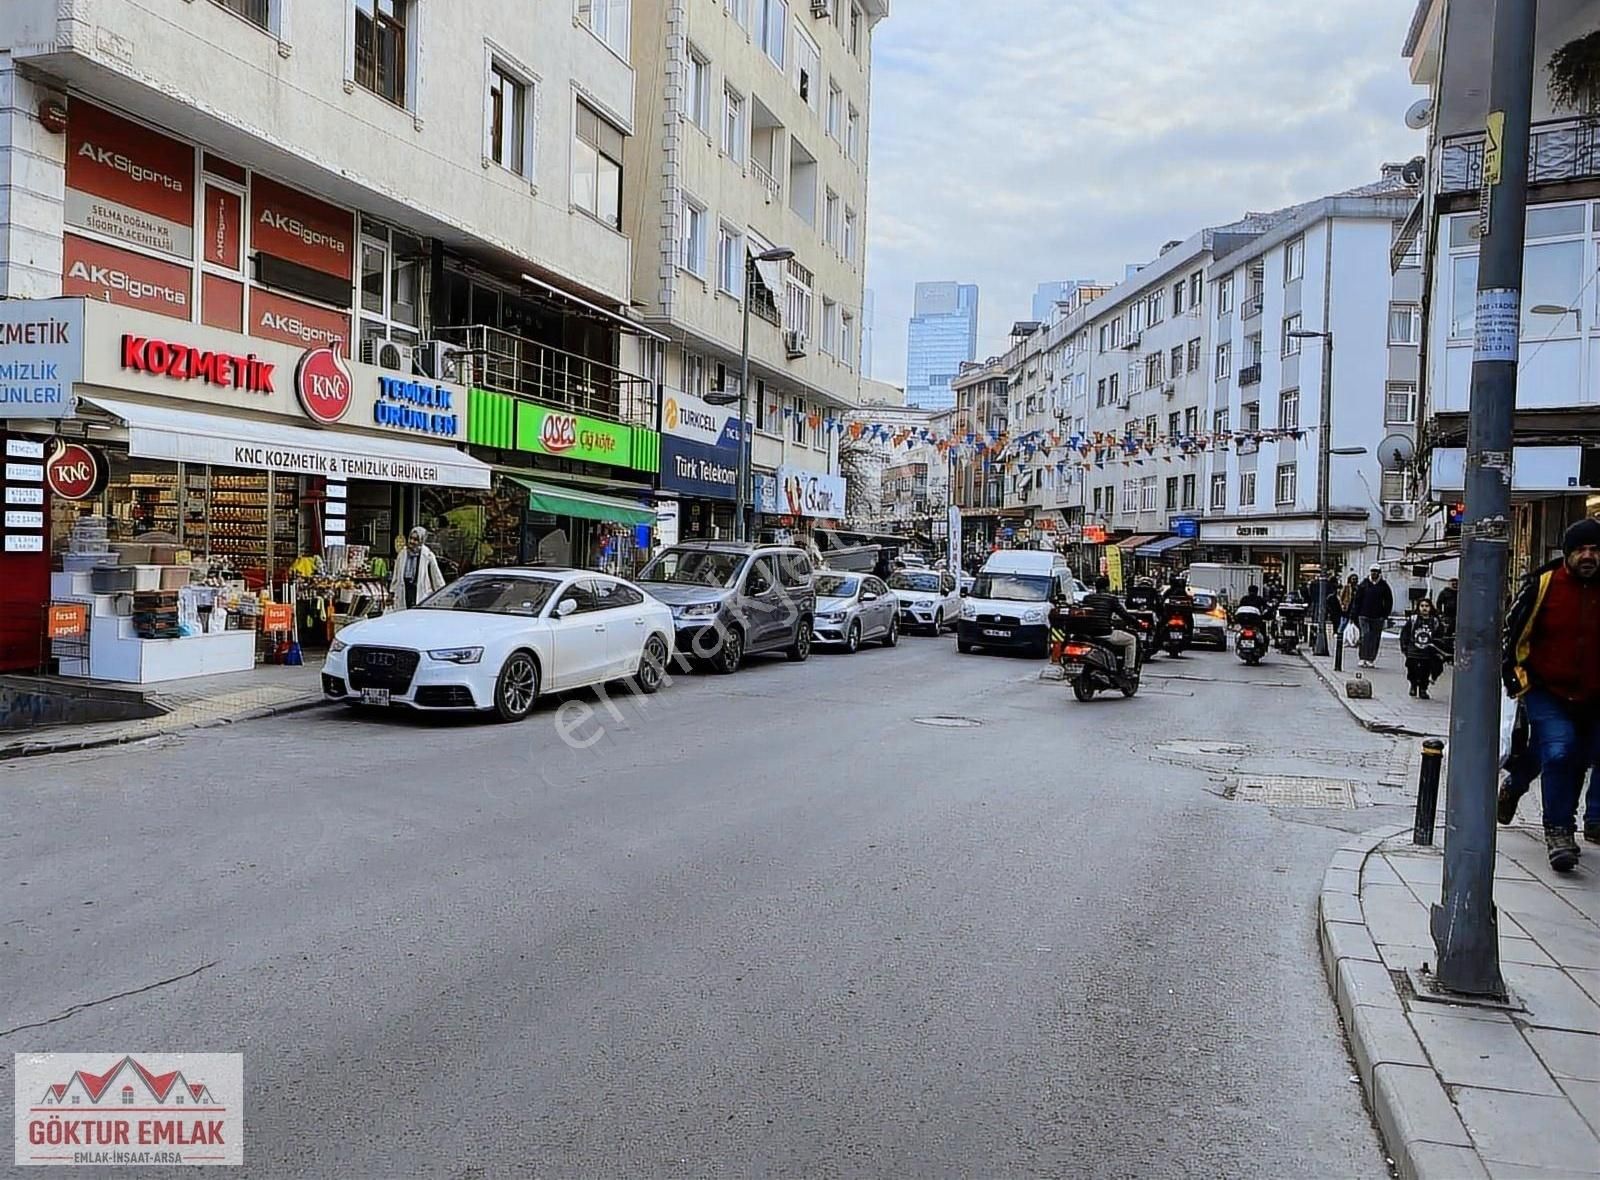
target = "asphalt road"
x: 766, y: 925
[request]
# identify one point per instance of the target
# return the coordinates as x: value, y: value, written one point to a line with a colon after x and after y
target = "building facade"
x: 980, y: 416
x: 754, y: 137
x: 941, y: 337
x: 1048, y: 297
x: 1556, y: 463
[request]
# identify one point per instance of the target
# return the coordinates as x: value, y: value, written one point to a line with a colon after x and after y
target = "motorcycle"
x: 1147, y: 635
x: 1291, y: 624
x: 1177, y: 632
x: 1251, y: 643
x: 1088, y: 660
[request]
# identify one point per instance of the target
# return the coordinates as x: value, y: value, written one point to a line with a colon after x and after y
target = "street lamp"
x: 741, y: 494
x: 1324, y: 455
x: 1555, y: 309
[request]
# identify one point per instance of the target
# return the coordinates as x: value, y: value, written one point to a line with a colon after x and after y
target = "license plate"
x: 996, y: 631
x: 374, y: 696
x: 1072, y: 670
x: 1175, y: 633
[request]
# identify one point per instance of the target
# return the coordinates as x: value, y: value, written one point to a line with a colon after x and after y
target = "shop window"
x: 381, y: 50
x: 597, y: 166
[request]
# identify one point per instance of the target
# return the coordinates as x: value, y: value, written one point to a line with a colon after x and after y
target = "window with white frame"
x: 848, y: 243
x: 1400, y: 403
x: 1250, y: 416
x: 1405, y: 323
x: 607, y: 20
x: 852, y: 132
x: 1172, y: 493
x: 1288, y: 475
x: 830, y: 327
x: 1291, y: 342
x: 1130, y: 495
x: 509, y: 106
x: 734, y: 135
x: 772, y: 23
x: 797, y: 421
x: 1189, y: 488
x: 835, y: 122
x: 832, y: 218
x: 1147, y: 493
x: 730, y: 261
x: 1219, y: 492
x: 1224, y: 360
x: 797, y: 300
x: 1191, y: 420
x: 1155, y: 308
x: 1136, y: 318
x: 258, y: 12
x: 1247, y: 489
x: 695, y: 219
x: 740, y: 11
x: 697, y: 89
x: 391, y: 283
x: 1194, y: 356
x: 847, y: 339
x: 857, y: 23
x: 597, y: 166
x: 1219, y: 422
x: 1178, y: 290
x: 1175, y: 366
x: 694, y: 374
x: 1224, y: 295
x: 1294, y: 260
x: 384, y: 49
x: 1289, y: 410
x: 807, y: 68
x: 1197, y: 290
x: 1394, y: 487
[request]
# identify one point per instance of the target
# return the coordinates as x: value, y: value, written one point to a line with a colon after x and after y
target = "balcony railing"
x: 768, y: 182
x: 1250, y: 374
x: 1252, y: 306
x: 507, y: 363
x: 1566, y: 149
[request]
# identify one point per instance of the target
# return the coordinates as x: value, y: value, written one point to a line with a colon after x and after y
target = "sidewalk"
x: 1464, y: 1092
x: 1392, y: 708
x: 186, y: 704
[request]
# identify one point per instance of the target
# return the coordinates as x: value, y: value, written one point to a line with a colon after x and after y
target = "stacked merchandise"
x: 87, y: 546
x: 155, y: 614
x: 242, y: 517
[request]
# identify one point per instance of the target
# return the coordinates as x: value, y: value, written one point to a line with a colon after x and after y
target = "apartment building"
x: 1322, y: 267
x: 941, y: 337
x: 429, y: 194
x: 753, y: 138
x: 885, y: 433
x: 1557, y: 457
x: 980, y: 416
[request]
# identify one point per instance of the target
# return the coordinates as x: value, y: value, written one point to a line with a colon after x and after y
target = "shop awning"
x: 188, y: 436
x: 1133, y: 542
x: 1163, y: 546
x: 559, y: 501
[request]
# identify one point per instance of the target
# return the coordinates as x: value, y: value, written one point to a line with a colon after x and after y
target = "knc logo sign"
x: 73, y: 471
x: 324, y: 386
x: 117, y: 1109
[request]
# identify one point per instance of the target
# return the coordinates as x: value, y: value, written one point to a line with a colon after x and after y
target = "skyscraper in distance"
x: 1047, y: 295
x: 943, y: 333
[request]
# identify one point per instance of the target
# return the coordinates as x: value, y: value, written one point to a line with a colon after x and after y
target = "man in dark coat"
x: 1371, y: 607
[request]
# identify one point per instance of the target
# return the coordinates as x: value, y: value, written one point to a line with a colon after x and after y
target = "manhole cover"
x: 949, y: 722
x: 1215, y: 749
x: 1282, y: 790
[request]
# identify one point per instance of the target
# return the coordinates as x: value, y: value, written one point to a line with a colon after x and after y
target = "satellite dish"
x: 1396, y: 452
x: 1418, y: 114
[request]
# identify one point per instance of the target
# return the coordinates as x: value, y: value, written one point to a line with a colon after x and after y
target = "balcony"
x: 1564, y: 149
x: 1250, y: 375
x: 506, y: 363
x: 768, y: 183
x: 1251, y: 308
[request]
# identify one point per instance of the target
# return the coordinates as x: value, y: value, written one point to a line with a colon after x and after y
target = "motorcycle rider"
x: 1108, y: 611
x: 1254, y: 599
x: 1144, y: 596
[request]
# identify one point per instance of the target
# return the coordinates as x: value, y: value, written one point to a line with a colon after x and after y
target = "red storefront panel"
x: 289, y: 224
x: 108, y: 273
x: 128, y: 182
x: 278, y: 317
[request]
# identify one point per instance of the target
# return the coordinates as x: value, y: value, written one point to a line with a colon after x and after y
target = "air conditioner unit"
x: 387, y: 354
x: 796, y: 344
x: 441, y: 361
x: 822, y: 9
x: 1400, y: 512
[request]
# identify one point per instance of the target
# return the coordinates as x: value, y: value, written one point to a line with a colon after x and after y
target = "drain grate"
x: 1281, y: 790
x: 949, y: 722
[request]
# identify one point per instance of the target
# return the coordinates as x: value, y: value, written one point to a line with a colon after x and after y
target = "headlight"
x: 1033, y: 616
x: 338, y: 645
x: 969, y: 610
x: 830, y: 618
x: 699, y: 610
x: 457, y: 655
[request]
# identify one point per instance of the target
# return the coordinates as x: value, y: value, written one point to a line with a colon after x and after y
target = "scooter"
x: 1251, y: 643
x: 1088, y: 661
x: 1291, y: 621
x: 1149, y: 641
x: 1177, y: 631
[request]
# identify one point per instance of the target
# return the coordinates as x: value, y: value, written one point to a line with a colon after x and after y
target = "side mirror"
x: 757, y: 585
x: 869, y: 596
x: 565, y: 607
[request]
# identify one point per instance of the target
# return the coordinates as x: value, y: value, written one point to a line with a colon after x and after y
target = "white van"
x: 1009, y: 603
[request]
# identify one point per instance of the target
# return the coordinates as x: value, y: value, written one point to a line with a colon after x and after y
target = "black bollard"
x: 1338, y: 649
x: 1428, y: 790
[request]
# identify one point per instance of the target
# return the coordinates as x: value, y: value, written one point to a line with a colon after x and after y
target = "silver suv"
x: 730, y: 600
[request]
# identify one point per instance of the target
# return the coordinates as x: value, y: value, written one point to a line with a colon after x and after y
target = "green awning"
x: 559, y: 501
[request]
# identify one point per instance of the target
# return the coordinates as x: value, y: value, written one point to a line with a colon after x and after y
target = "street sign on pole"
x: 955, y: 540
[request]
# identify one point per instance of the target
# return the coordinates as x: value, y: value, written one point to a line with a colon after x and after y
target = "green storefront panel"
x: 646, y: 450
x: 490, y: 418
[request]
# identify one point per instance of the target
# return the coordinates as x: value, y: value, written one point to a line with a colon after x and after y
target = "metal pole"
x: 742, y: 494
x: 1324, y: 465
x: 1427, y: 791
x: 1464, y: 926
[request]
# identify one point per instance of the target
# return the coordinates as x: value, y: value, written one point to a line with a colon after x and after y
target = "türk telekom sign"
x: 128, y: 182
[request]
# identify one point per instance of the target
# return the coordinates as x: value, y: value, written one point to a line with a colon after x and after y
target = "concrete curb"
x: 1331, y: 680
x: 1420, y: 1126
x: 67, y: 744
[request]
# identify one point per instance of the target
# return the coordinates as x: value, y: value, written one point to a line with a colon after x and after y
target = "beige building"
x: 752, y: 135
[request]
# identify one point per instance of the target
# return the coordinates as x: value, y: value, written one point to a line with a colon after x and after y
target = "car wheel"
x: 963, y: 646
x: 893, y: 637
x: 800, y: 649
x: 517, y: 687
x: 852, y: 639
x: 938, y: 621
x: 731, y: 654
x: 652, y: 665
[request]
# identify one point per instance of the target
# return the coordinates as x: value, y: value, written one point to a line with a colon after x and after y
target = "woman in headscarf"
x: 416, y: 571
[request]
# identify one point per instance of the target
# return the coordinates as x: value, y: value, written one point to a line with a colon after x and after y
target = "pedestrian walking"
x: 1332, y: 608
x: 1424, y: 661
x: 1447, y: 605
x: 416, y: 572
x: 1551, y: 662
x: 1370, y: 605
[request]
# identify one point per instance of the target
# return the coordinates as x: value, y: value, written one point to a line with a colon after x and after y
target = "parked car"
x: 927, y: 598
x: 853, y: 609
x: 1009, y: 604
x: 731, y: 599
x: 497, y: 639
x: 1210, y: 618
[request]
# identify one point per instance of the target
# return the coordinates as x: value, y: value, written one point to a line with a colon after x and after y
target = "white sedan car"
x: 928, y: 598
x: 497, y: 638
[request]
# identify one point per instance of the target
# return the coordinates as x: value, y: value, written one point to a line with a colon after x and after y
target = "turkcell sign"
x: 699, y: 469
x: 41, y: 357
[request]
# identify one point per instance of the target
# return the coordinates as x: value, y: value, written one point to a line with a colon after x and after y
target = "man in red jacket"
x: 1551, y: 660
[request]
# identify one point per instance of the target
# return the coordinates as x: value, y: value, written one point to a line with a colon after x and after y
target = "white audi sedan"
x: 498, y: 638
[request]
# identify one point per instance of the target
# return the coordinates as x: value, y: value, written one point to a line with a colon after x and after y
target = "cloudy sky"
x: 1015, y: 141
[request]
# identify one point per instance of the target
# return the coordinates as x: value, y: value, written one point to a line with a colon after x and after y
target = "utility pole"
x: 1324, y: 477
x: 1465, y: 932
